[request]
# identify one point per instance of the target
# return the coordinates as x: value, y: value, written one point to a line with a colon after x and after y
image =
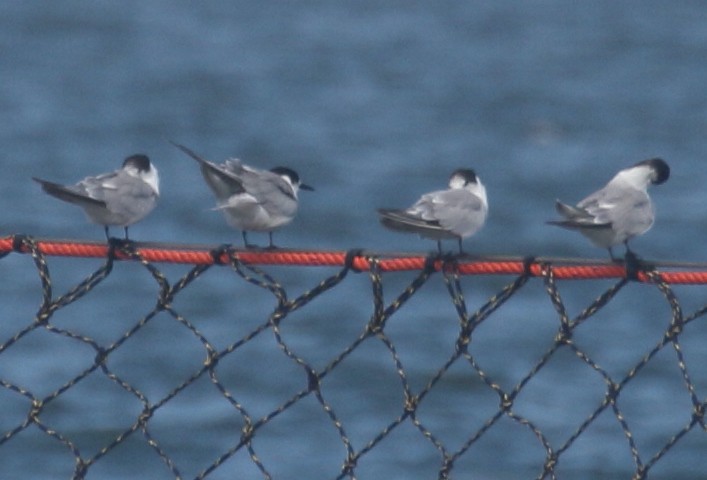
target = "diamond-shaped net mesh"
x: 308, y: 398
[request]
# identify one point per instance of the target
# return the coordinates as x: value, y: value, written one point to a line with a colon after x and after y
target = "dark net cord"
x: 248, y: 266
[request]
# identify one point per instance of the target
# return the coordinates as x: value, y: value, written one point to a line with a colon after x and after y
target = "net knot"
x: 218, y: 253
x: 449, y: 262
x: 612, y: 393
x: 698, y: 414
x: 81, y: 468
x: 247, y: 433
x: 550, y: 462
x: 145, y: 415
x: 312, y: 380
x: 635, y: 266
x: 121, y: 248
x: 280, y: 312
x: 640, y: 473
x: 564, y: 335
x: 528, y: 262
x: 375, y: 326
x: 19, y: 241
x: 348, y: 467
x: 212, y: 358
x: 43, y: 315
x: 411, y: 402
x: 432, y: 259
x: 446, y: 470
x: 123, y: 245
x: 673, y: 331
x: 101, y: 356
x: 350, y: 258
x: 462, y: 345
x: 506, y: 402
x: 37, y: 406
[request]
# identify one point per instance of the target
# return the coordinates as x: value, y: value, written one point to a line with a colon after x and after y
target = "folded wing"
x: 224, y: 180
x: 72, y: 194
x: 442, y: 214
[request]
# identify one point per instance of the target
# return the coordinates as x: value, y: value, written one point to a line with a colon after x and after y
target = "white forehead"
x: 458, y: 180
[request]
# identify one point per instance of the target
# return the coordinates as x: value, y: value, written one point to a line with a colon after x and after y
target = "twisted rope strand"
x: 686, y: 273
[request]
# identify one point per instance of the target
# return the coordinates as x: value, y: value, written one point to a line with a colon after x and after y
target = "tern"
x: 619, y: 211
x: 251, y: 199
x: 120, y: 198
x: 456, y: 213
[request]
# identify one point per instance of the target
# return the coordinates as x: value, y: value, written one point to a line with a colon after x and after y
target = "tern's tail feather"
x: 189, y: 152
x: 570, y: 212
x: 402, y: 221
x: 222, y: 182
x: 569, y: 224
x: 576, y: 218
x: 67, y: 194
x: 579, y: 225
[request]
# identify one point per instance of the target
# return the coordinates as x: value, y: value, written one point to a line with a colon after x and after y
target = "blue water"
x: 373, y: 103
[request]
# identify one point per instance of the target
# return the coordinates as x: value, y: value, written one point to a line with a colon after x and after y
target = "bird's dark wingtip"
x: 188, y: 151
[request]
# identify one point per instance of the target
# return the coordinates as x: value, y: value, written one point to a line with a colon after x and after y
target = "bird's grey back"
x: 269, y: 189
x: 612, y: 204
x: 273, y: 192
x: 449, y: 207
x: 224, y: 179
x: 123, y: 194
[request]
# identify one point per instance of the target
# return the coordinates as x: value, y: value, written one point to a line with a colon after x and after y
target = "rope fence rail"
x: 563, y: 268
x: 251, y: 267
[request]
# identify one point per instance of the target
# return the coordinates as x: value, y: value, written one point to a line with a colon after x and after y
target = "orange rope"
x: 568, y: 269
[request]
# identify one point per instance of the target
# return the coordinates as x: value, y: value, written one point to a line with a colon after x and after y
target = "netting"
x: 321, y: 404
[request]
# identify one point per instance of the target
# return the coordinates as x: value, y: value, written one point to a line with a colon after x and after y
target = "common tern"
x: 456, y: 213
x: 120, y: 198
x: 251, y: 199
x: 619, y: 211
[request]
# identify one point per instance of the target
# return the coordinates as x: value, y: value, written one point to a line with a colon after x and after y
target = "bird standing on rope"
x: 619, y: 211
x: 252, y: 199
x: 119, y: 198
x: 456, y: 213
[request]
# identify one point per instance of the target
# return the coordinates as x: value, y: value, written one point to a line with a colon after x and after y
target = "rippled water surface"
x: 373, y: 103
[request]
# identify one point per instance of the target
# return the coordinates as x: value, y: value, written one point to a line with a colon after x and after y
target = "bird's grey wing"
x: 96, y: 187
x: 271, y: 191
x: 123, y: 194
x: 629, y: 212
x: 573, y: 213
x: 452, y: 209
x: 71, y: 194
x: 628, y: 208
x: 224, y: 180
x: 576, y: 217
x: 435, y: 213
x: 615, y: 204
x: 591, y: 212
x: 402, y: 220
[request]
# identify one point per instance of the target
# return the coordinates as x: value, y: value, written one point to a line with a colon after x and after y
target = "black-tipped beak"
x: 304, y: 186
